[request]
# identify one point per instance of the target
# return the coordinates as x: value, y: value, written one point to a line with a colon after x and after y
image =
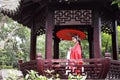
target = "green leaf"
x: 114, y: 2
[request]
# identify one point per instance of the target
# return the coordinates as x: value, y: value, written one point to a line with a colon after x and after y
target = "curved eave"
x: 29, y: 14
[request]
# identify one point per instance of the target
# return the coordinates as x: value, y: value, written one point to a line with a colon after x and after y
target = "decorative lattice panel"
x: 92, y: 68
x: 107, y: 26
x: 73, y: 17
x: 114, y: 72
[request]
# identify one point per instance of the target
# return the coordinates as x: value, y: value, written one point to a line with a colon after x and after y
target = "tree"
x: 106, y: 43
x: 14, y: 38
x: 116, y: 2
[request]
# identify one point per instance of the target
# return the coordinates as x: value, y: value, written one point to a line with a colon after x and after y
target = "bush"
x: 33, y: 75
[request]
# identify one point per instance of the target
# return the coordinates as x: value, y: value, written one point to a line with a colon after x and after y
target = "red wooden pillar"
x: 33, y: 43
x: 96, y: 24
x: 49, y: 33
x: 115, y: 40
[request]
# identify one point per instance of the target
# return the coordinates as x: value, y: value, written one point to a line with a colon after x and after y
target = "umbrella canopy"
x: 67, y: 34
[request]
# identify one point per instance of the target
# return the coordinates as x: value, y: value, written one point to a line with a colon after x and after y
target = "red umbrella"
x: 67, y: 34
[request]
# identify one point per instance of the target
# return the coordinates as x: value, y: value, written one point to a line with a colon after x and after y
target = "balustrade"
x: 96, y: 68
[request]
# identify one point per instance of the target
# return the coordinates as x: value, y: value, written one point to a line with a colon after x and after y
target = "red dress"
x: 76, y: 53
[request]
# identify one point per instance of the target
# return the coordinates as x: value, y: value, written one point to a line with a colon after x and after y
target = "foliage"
x: 14, y: 38
x: 41, y: 45
x: 118, y: 28
x: 77, y: 77
x: 64, y: 47
x: 85, y: 48
x: 12, y: 77
x: 12, y: 74
x: 33, y: 75
x: 20, y: 54
x: 106, y: 43
x: 116, y: 2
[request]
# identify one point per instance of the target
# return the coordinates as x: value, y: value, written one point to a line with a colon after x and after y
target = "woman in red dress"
x: 76, y: 53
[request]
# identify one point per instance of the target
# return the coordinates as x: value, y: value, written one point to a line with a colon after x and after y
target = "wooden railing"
x: 99, y: 68
x: 93, y: 68
x: 27, y: 66
x: 114, y: 71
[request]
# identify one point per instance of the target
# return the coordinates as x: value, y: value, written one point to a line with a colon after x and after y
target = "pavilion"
x: 51, y: 16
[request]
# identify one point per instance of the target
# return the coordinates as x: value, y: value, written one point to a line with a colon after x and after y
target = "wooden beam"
x: 49, y: 33
x: 96, y: 23
x: 115, y: 40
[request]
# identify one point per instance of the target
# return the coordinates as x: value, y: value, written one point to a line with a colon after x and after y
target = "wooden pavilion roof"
x: 33, y: 12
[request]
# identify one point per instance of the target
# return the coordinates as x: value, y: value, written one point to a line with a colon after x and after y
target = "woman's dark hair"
x: 77, y: 38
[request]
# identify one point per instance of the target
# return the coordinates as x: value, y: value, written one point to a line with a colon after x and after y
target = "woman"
x: 75, y: 53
